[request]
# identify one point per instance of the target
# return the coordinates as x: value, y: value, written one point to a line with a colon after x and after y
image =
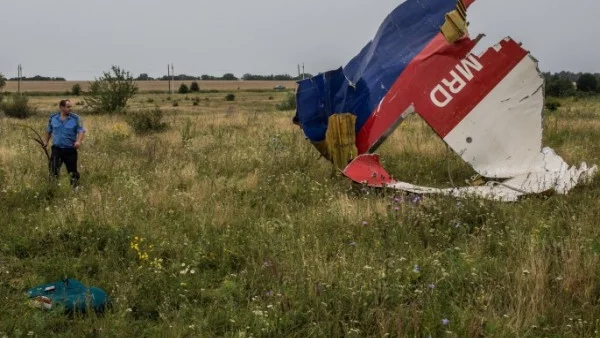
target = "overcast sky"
x: 79, y: 39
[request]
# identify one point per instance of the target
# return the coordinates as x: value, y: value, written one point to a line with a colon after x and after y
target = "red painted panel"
x: 495, y: 66
x: 433, y: 67
x: 367, y: 169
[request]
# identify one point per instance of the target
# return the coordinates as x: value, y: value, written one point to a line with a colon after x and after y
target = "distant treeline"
x: 561, y: 84
x: 38, y: 78
x: 226, y: 77
x: 564, y: 84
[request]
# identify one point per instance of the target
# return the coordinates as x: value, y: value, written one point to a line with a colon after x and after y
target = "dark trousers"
x: 69, y: 158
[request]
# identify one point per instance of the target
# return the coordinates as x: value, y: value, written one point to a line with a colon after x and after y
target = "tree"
x: 76, y: 89
x: 144, y: 77
x: 587, y: 83
x: 183, y: 89
x: 17, y: 106
x: 38, y: 78
x: 559, y: 87
x: 194, y: 87
x: 2, y: 81
x: 180, y: 77
x: 110, y: 93
x: 229, y: 76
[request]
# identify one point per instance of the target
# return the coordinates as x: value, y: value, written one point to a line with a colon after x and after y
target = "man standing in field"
x: 67, y: 134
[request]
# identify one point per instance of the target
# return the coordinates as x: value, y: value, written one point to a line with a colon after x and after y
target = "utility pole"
x: 298, y: 71
x: 19, y: 74
x: 302, y: 70
x: 172, y: 77
x: 169, y: 77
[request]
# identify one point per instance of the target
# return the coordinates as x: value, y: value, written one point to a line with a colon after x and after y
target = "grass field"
x: 64, y: 86
x: 228, y: 224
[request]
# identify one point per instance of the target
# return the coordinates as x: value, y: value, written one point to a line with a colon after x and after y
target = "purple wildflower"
x: 416, y: 199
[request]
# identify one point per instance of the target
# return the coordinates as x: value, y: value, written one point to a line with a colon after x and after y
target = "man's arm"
x: 79, y: 139
x: 46, y: 139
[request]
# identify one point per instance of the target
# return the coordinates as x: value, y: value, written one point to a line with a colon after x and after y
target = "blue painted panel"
x: 365, y: 80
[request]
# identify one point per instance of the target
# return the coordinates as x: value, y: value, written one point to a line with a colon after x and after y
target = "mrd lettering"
x: 444, y: 92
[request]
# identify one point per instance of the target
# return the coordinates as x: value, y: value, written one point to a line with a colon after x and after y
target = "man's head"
x: 65, y: 106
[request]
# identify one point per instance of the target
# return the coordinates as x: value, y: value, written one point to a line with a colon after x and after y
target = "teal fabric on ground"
x: 71, y: 295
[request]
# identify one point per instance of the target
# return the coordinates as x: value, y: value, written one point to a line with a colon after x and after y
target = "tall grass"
x: 229, y: 224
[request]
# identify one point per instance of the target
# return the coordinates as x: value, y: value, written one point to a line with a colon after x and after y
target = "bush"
x: 552, y: 105
x: 183, y: 89
x: 559, y: 87
x: 230, y: 97
x: 17, y: 106
x: 194, y: 87
x: 289, y: 103
x: 110, y: 93
x: 2, y: 81
x: 76, y: 89
x: 587, y: 83
x: 146, y: 121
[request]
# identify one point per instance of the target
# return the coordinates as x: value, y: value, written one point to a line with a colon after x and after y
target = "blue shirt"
x: 64, y: 133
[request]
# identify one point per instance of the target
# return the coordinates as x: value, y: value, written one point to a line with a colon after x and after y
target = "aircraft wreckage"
x: 487, y: 108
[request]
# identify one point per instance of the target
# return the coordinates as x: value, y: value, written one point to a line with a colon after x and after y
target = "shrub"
x: 2, y: 81
x: 183, y: 89
x: 587, y: 83
x: 552, y: 105
x: 17, y: 106
x: 559, y: 87
x: 110, y: 93
x: 76, y: 89
x: 146, y: 121
x: 194, y: 87
x: 289, y: 103
x: 230, y: 97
